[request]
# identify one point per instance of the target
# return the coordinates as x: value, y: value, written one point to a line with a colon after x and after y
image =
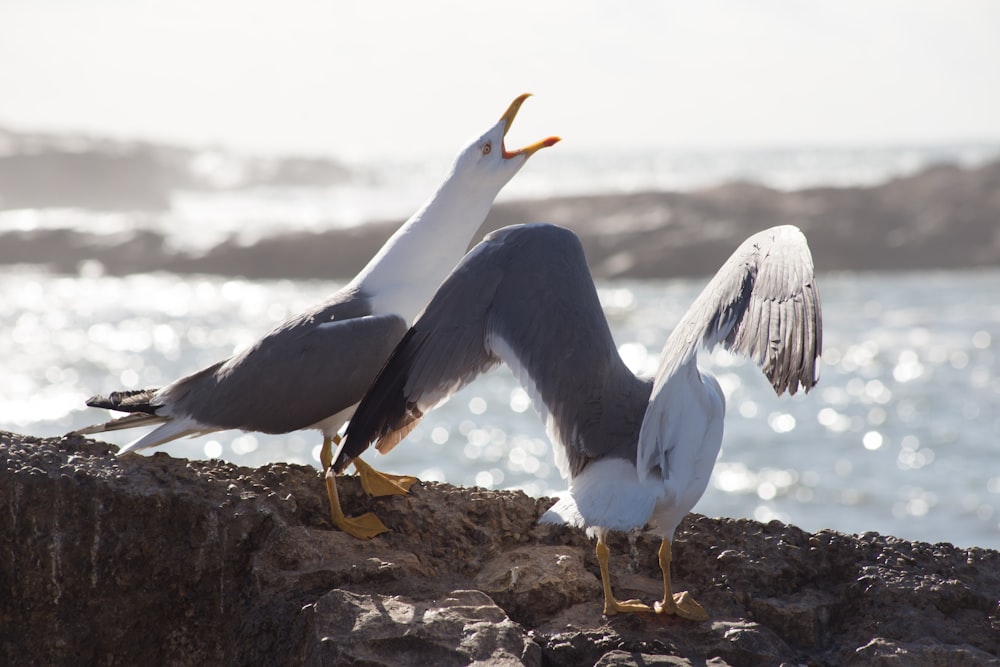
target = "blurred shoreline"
x: 943, y: 216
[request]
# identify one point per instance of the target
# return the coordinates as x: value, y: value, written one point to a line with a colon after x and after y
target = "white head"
x: 485, y: 163
x: 403, y: 275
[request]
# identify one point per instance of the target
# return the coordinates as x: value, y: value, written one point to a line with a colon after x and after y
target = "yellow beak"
x: 508, y: 119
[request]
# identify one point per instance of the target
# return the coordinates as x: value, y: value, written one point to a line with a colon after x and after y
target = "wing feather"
x: 763, y: 303
x: 294, y: 377
x: 525, y: 297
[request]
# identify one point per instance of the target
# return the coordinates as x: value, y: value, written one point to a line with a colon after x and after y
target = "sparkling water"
x: 901, y: 436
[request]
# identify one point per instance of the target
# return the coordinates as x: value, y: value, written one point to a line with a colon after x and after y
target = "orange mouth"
x: 508, y: 119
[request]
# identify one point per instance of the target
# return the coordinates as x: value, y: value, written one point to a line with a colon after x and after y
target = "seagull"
x: 635, y: 451
x: 310, y: 371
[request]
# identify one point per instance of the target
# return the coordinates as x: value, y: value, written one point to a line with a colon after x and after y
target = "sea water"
x: 901, y: 435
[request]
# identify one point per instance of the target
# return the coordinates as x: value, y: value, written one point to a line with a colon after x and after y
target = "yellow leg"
x: 364, y: 526
x: 611, y: 605
x: 326, y: 452
x: 377, y: 483
x: 681, y: 604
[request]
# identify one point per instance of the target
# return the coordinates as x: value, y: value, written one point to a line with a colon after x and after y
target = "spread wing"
x: 524, y: 297
x: 763, y: 303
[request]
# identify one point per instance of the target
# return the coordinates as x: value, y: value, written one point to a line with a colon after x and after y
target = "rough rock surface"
x: 157, y: 560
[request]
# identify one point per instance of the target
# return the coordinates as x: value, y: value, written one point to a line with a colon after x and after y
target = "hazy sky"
x: 398, y: 77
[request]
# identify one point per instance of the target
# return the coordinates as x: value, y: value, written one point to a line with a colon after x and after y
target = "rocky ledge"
x: 158, y: 560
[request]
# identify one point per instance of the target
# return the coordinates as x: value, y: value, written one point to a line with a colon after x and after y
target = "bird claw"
x: 683, y: 605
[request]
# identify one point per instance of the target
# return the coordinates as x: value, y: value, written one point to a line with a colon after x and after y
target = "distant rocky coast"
x: 945, y: 217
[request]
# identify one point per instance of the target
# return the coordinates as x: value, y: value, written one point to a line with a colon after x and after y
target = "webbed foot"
x: 362, y: 527
x: 378, y: 484
x: 683, y: 605
x: 612, y: 607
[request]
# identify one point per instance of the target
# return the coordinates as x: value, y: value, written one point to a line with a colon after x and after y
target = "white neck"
x: 403, y: 276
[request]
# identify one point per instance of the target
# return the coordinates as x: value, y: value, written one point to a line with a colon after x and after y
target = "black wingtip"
x: 376, y: 416
x: 383, y: 407
x: 131, y: 400
x: 97, y: 401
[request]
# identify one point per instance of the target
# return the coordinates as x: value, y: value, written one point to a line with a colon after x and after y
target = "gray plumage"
x: 311, y: 371
x: 636, y: 454
x: 524, y: 296
x: 291, y: 378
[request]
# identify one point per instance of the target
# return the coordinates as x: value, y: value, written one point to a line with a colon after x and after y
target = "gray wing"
x: 300, y: 373
x: 762, y: 303
x: 524, y: 296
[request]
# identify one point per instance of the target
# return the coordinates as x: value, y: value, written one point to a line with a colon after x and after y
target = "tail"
x: 128, y: 421
x: 564, y: 511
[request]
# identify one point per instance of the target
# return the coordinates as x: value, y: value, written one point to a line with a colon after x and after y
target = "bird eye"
x: 487, y: 147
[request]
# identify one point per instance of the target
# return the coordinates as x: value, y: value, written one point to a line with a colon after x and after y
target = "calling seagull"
x: 310, y: 371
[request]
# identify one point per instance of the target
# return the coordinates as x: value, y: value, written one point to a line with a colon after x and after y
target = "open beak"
x: 508, y: 119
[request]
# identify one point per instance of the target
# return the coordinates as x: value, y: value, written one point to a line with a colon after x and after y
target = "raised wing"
x: 524, y: 296
x: 762, y: 303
